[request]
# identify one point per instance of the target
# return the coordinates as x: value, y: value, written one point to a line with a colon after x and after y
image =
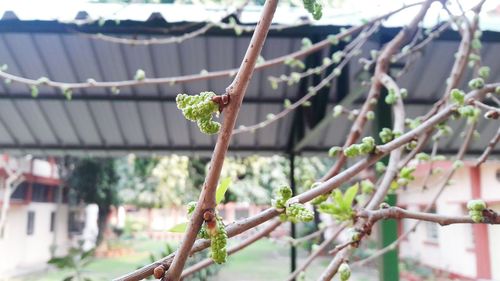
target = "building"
x: 38, y: 218
x: 466, y: 252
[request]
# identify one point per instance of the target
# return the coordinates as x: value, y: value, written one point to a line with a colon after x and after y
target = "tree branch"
x: 250, y: 240
x: 399, y: 213
x: 196, y: 77
x: 236, y: 91
x: 491, y: 145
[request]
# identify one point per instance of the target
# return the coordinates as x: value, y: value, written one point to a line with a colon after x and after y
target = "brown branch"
x: 311, y: 93
x: 485, y: 106
x: 197, y: 77
x: 248, y: 241
x: 399, y: 213
x: 444, y: 184
x: 381, y: 68
x: 395, y: 156
x: 236, y: 91
x: 334, y: 265
x: 322, y: 247
x: 327, y: 186
x: 491, y: 145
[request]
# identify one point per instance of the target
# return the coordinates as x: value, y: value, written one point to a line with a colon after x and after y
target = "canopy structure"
x: 144, y: 119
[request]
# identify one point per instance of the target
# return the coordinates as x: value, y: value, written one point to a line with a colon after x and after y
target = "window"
x: 31, y: 223
x: 41, y: 193
x: 52, y: 221
x: 432, y: 229
x: 21, y: 192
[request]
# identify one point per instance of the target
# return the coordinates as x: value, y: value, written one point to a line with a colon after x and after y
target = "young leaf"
x: 349, y: 195
x: 179, y: 228
x: 221, y: 189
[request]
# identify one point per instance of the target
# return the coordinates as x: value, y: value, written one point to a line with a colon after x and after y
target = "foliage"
x: 294, y: 212
x: 76, y: 261
x: 95, y: 181
x: 254, y: 177
x: 136, y: 185
x: 200, y: 109
x: 174, y: 183
x: 476, y: 208
x: 341, y: 207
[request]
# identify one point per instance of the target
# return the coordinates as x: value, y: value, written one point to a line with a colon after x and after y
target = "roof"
x: 144, y: 119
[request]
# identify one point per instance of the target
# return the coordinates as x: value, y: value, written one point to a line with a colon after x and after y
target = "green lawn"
x: 264, y: 260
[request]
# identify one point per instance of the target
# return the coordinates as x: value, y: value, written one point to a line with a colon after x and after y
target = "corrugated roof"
x: 144, y: 119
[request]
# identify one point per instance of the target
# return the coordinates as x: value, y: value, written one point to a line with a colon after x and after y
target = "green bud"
x: 344, y: 271
x: 458, y: 164
x: 422, y: 156
x: 457, y: 96
x: 403, y: 92
x: 367, y: 187
x: 370, y: 115
x: 34, y: 91
x: 200, y: 109
x: 477, y: 218
x: 476, y: 83
x: 476, y: 44
x: 386, y: 135
x: 298, y: 213
x: 306, y: 43
x: 140, y: 75
x: 380, y: 167
x: 352, y: 151
x: 42, y: 80
x: 355, y: 235
x: 337, y: 110
x: 402, y: 182
x: 333, y: 39
x: 334, y: 151
x: 391, y: 98
x: 484, y: 72
x: 67, y: 92
x: 115, y: 90
x: 337, y: 56
x: 476, y: 205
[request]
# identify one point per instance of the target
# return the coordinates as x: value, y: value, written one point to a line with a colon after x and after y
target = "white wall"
x: 454, y: 250
x: 494, y: 237
x: 21, y: 253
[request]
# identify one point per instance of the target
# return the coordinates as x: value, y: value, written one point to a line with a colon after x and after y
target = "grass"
x: 264, y: 260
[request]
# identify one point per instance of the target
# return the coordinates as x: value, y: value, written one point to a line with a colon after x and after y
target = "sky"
x: 351, y: 13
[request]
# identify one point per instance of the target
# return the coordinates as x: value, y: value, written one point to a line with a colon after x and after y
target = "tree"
x: 14, y: 178
x: 95, y: 181
x: 403, y: 143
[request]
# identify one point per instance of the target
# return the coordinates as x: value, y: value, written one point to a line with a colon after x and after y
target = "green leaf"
x: 221, y: 189
x: 349, y: 195
x: 337, y: 196
x: 69, y: 278
x: 179, y: 228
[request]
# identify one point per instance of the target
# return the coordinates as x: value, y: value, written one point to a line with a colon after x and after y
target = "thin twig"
x: 491, y: 145
x: 242, y: 245
x: 399, y: 213
x: 327, y: 186
x: 444, y: 184
x: 236, y: 91
x: 334, y: 265
x: 196, y: 77
x: 314, y: 254
x: 311, y: 93
x: 395, y: 156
